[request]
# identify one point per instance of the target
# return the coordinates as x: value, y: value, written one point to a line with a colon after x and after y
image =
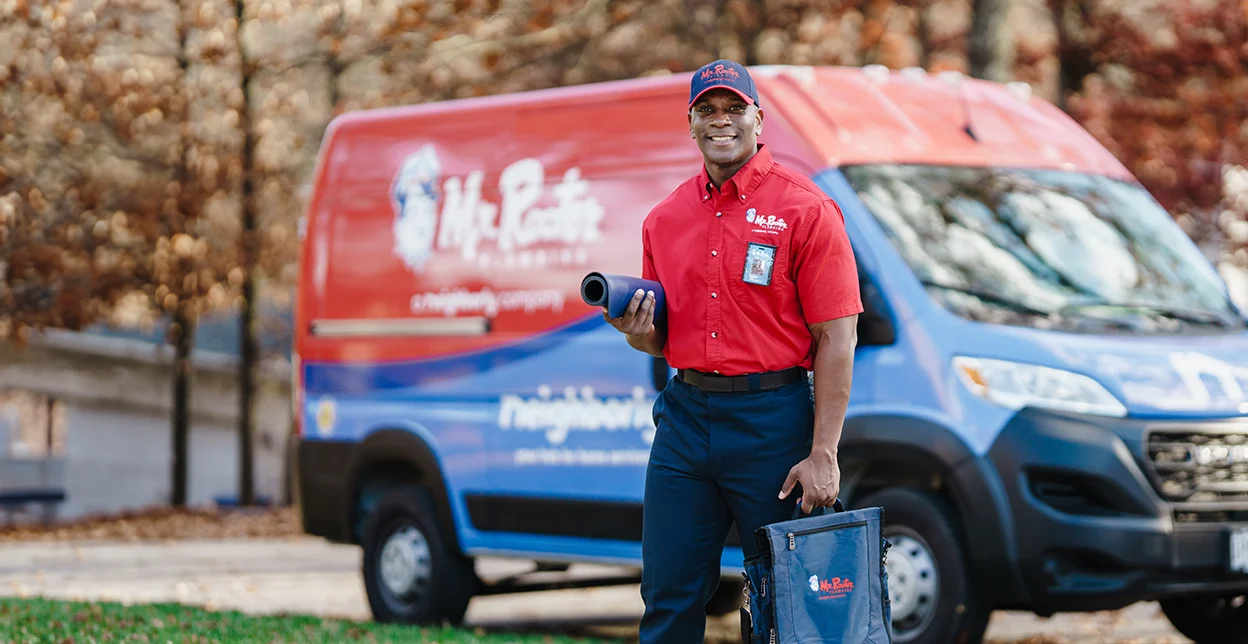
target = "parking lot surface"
x: 310, y: 576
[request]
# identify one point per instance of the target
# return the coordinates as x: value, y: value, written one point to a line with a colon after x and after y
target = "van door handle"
x: 658, y: 372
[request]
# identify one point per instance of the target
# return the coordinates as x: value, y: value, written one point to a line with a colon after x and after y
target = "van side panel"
x: 451, y: 242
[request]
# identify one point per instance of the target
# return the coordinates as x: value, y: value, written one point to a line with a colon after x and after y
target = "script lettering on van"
x: 452, y: 302
x: 475, y: 227
x: 577, y: 411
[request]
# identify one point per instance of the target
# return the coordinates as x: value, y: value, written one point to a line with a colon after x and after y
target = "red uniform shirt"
x: 732, y: 316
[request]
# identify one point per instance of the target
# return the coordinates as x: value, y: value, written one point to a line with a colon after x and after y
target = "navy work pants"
x: 716, y: 458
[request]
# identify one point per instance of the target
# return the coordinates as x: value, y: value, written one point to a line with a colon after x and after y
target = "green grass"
x: 66, y: 622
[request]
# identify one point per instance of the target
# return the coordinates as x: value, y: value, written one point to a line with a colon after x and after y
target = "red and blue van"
x: 1049, y: 392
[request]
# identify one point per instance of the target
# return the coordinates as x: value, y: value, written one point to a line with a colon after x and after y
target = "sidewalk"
x: 307, y: 575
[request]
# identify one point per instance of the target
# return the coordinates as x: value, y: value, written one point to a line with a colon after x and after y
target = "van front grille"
x: 1195, y: 466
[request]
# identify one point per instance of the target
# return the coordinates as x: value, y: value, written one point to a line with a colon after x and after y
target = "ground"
x: 260, y: 564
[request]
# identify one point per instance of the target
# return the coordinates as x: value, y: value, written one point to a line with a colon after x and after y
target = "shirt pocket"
x: 757, y: 268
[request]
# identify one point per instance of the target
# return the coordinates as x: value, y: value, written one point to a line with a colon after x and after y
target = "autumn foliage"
x: 1169, y: 96
x: 105, y: 164
x: 123, y: 123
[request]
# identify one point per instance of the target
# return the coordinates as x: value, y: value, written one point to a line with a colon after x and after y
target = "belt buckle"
x: 713, y: 383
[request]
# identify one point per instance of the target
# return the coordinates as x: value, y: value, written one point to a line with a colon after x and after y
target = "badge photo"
x: 759, y: 260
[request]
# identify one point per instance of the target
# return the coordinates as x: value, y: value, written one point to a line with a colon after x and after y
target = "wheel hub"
x: 912, y: 582
x: 405, y: 565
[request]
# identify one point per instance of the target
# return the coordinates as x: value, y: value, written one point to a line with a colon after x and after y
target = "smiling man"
x: 761, y: 290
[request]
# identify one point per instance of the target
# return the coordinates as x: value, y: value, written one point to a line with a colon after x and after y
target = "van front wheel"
x: 1209, y: 619
x: 727, y: 598
x: 932, y: 598
x: 410, y: 576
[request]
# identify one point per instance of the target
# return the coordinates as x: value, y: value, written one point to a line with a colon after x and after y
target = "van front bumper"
x: 1099, y: 524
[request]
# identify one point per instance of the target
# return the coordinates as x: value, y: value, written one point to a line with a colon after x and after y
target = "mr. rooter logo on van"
x: 483, y: 231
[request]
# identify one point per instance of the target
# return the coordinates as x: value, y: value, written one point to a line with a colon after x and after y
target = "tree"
x: 249, y: 350
x: 991, y: 41
x: 1167, y: 93
x: 107, y: 190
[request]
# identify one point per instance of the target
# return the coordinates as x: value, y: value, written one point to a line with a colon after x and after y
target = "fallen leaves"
x: 164, y: 523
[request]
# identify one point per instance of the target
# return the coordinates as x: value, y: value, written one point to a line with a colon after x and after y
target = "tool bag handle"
x: 820, y: 511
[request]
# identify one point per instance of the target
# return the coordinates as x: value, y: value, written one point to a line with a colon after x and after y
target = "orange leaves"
x: 1170, y: 95
x: 128, y: 134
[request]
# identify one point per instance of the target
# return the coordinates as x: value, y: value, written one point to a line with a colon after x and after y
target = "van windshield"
x: 1043, y: 248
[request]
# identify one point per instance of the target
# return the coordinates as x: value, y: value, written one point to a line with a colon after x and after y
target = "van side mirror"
x: 875, y: 325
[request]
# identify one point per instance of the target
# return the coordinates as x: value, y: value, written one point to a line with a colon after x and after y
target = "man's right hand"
x: 637, y: 320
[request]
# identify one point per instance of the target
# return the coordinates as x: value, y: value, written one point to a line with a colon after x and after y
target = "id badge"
x: 759, y: 260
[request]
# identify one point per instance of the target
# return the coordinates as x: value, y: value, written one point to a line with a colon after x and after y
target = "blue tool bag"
x: 819, y: 578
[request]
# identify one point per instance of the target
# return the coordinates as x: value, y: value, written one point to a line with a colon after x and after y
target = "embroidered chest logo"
x: 765, y: 223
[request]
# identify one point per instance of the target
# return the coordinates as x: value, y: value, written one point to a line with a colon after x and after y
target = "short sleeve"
x: 647, y: 258
x: 824, y: 267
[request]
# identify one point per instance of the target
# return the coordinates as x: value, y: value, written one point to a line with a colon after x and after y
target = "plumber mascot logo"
x: 415, y: 194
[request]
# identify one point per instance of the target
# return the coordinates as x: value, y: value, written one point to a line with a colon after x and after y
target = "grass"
x: 67, y: 622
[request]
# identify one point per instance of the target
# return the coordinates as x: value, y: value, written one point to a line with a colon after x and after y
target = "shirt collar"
x: 746, y: 179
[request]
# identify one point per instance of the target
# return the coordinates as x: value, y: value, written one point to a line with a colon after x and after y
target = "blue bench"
x: 15, y: 500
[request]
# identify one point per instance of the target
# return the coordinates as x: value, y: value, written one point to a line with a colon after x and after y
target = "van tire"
x: 918, y: 517
x: 446, y: 581
x: 1208, y: 619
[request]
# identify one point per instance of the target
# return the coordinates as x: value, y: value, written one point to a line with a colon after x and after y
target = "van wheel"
x: 931, y: 598
x: 727, y: 598
x: 1209, y: 619
x: 410, y: 576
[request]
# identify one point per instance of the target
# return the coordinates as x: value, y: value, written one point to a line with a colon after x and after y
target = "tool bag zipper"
x: 797, y: 533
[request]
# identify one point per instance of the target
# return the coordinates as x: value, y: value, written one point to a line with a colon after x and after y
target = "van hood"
x: 1161, y: 375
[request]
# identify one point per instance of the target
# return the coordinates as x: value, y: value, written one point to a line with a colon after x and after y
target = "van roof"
x: 852, y: 116
x: 862, y: 115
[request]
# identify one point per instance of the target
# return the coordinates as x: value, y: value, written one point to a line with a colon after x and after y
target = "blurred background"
x: 155, y: 158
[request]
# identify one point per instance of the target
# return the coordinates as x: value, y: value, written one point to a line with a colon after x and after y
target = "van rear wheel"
x: 932, y: 599
x: 410, y: 576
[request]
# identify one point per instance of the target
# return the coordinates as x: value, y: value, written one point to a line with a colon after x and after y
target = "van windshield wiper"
x: 988, y: 296
x: 1194, y: 316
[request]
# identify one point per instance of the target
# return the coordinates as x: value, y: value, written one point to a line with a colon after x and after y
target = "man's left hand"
x: 820, y: 476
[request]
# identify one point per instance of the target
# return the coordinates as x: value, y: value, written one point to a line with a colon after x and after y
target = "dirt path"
x: 307, y: 575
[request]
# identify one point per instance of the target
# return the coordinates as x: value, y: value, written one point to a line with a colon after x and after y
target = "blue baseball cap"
x: 726, y: 74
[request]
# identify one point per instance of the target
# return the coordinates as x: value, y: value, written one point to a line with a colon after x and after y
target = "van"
x: 1049, y: 383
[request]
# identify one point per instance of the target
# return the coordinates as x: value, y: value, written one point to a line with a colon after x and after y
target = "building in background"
x: 90, y: 413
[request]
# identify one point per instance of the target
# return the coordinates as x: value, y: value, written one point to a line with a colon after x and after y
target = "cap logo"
x: 719, y: 71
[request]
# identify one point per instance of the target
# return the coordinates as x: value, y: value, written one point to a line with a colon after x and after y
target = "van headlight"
x: 1016, y: 385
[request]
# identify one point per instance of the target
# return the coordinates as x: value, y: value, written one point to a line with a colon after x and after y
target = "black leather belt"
x: 713, y: 383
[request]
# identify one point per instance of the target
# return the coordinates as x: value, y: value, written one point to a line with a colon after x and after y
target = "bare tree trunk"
x: 1075, y: 55
x: 182, y: 331
x: 246, y: 394
x: 248, y: 345
x: 183, y: 339
x: 991, y: 42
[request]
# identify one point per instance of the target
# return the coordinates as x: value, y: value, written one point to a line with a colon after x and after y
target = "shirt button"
x: 719, y: 214
x: 714, y: 253
x: 714, y: 295
x: 713, y: 335
x: 742, y: 197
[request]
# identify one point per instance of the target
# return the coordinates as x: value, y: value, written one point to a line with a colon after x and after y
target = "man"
x: 761, y: 286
